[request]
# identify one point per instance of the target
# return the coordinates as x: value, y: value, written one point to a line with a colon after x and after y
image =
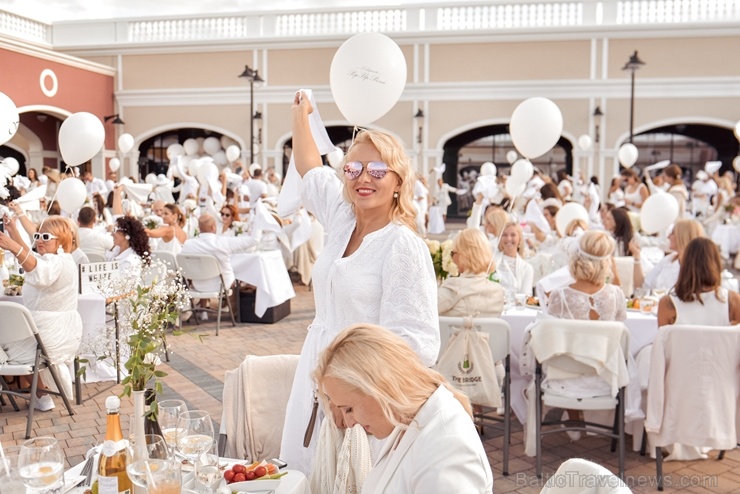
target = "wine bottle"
x: 112, y: 477
x: 151, y: 426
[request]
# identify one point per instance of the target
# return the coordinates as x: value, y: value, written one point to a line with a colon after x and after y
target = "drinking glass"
x: 10, y: 477
x: 521, y: 300
x: 169, y: 411
x: 163, y: 476
x: 194, y: 434
x: 208, y: 473
x: 647, y: 305
x: 41, y: 465
x: 154, y: 448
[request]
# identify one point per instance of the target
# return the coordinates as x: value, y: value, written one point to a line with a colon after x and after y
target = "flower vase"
x: 136, y: 429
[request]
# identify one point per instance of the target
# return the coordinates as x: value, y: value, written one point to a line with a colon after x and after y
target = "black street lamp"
x: 597, y: 118
x: 633, y: 64
x: 252, y: 75
x: 419, y: 117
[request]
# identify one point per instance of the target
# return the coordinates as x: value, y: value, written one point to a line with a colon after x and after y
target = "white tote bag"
x: 467, y: 364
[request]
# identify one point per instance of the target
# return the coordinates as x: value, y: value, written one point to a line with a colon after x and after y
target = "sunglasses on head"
x: 43, y: 236
x: 376, y: 169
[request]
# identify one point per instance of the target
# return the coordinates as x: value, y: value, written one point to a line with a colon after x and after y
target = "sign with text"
x: 92, y: 273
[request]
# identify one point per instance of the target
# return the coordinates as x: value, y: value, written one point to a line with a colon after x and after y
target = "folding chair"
x: 572, y: 348
x: 703, y: 362
x: 18, y: 325
x: 626, y: 271
x: 166, y: 257
x: 498, y: 340
x: 205, y: 267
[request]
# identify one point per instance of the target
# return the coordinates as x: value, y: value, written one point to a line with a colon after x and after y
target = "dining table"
x: 266, y: 271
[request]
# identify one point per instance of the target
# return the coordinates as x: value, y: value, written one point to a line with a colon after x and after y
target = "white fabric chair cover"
x: 578, y: 476
x: 626, y: 272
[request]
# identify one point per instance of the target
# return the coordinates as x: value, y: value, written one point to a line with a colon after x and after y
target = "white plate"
x: 254, y: 485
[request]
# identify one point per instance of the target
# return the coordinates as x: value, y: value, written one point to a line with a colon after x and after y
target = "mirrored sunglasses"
x: 376, y: 169
x: 43, y: 236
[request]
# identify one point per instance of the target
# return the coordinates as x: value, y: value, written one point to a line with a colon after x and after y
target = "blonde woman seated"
x: 513, y: 272
x: 431, y: 445
x: 665, y: 273
x: 471, y: 293
x: 493, y: 223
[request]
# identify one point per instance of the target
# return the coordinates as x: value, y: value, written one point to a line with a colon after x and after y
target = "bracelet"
x: 20, y: 214
x: 19, y: 252
x: 25, y: 258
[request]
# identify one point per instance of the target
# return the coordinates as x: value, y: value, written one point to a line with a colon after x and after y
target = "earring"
x: 127, y: 237
x: 395, y: 195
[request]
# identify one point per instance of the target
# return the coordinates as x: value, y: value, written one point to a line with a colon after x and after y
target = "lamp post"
x: 597, y: 121
x: 252, y: 75
x: 633, y: 64
x: 419, y: 117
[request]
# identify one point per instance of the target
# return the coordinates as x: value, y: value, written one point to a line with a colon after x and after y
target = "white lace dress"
x: 388, y: 281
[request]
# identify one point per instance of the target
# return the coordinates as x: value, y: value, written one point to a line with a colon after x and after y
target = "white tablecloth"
x: 266, y: 271
x: 727, y: 237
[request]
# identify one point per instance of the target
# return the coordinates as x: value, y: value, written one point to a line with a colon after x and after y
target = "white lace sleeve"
x: 555, y: 304
x: 409, y: 302
x: 322, y: 196
x: 47, y: 271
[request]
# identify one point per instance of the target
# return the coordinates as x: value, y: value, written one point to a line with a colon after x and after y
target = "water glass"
x: 521, y: 301
x: 208, y: 473
x: 10, y: 478
x: 163, y: 476
x: 647, y: 305
x: 194, y: 434
x: 41, y: 465
x: 168, y: 413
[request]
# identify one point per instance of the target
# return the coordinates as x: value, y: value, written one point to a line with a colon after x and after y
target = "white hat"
x: 712, y: 166
x: 161, y: 180
x: 702, y: 175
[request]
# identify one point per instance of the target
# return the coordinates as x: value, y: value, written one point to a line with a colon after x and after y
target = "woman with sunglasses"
x: 229, y: 214
x: 50, y: 293
x: 130, y: 245
x: 373, y: 269
x: 171, y: 234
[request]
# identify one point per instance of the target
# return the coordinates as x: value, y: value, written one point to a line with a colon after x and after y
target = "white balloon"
x: 193, y: 166
x: 208, y: 170
x: 219, y: 157
x: 150, y: 178
x: 191, y: 147
x: 126, y: 143
x: 535, y: 126
x: 335, y: 157
x: 9, y: 119
x: 367, y: 76
x: 521, y: 171
x: 81, y: 137
x: 114, y: 164
x: 211, y: 145
x: 233, y: 152
x: 12, y: 165
x: 736, y: 163
x: 488, y: 169
x: 175, y: 150
x: 567, y: 214
x: 628, y: 154
x: 71, y: 194
x: 511, y: 157
x: 513, y: 188
x: 584, y: 142
x: 658, y: 212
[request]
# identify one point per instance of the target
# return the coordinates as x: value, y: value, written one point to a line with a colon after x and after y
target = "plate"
x: 535, y: 307
x: 254, y: 485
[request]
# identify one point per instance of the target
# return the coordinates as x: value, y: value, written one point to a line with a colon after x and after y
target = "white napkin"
x: 30, y: 201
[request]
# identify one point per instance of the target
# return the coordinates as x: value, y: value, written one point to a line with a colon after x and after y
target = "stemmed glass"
x: 152, y: 455
x: 208, y: 473
x: 41, y: 465
x: 194, y: 434
x: 169, y: 412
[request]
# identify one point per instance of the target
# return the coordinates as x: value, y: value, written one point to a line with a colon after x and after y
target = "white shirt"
x: 221, y: 247
x: 96, y: 185
x: 257, y: 189
x: 94, y: 242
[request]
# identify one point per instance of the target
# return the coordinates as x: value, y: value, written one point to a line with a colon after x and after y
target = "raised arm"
x: 305, y: 152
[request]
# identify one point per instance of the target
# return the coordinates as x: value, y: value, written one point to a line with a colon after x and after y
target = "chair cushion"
x: 594, y: 403
x: 16, y: 369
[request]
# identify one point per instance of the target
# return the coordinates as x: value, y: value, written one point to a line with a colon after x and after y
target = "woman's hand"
x: 10, y: 226
x: 16, y: 208
x: 302, y: 104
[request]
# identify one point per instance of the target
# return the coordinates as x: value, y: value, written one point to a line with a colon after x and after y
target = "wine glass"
x: 10, y: 477
x: 194, y: 434
x: 168, y: 413
x: 154, y: 447
x: 163, y: 476
x: 208, y: 473
x: 41, y: 465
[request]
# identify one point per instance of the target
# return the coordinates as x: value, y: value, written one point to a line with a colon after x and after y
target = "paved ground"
x: 196, y: 373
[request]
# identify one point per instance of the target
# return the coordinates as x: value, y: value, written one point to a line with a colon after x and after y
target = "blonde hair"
x: 685, y: 231
x: 383, y: 366
x: 60, y: 227
x: 592, y: 260
x: 574, y: 225
x: 498, y: 219
x: 392, y: 153
x: 473, y: 245
x: 521, y: 247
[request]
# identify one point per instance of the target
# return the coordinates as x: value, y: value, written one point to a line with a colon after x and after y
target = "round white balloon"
x: 567, y: 214
x: 81, y: 137
x: 219, y: 157
x: 150, y: 178
x: 584, y: 142
x: 335, y: 157
x: 233, y: 152
x: 114, y: 164
x: 175, y: 150
x: 207, y: 171
x: 488, y: 169
x: 736, y: 163
x: 511, y: 157
x: 12, y: 165
x: 126, y: 143
x: 513, y: 188
x: 628, y: 154
x: 191, y: 147
x: 71, y: 194
x: 193, y: 166
x: 367, y: 76
x: 535, y: 126
x: 9, y: 119
x: 658, y: 212
x: 211, y: 145
x: 522, y: 171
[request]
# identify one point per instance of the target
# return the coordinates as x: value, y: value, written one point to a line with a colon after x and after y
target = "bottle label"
x: 107, y: 485
x: 110, y: 448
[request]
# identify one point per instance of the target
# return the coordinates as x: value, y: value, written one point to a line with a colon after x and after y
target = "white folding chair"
x: 703, y: 363
x: 205, y: 267
x: 166, y: 257
x: 576, y: 348
x: 94, y: 257
x: 498, y: 340
x: 19, y: 325
x: 626, y: 272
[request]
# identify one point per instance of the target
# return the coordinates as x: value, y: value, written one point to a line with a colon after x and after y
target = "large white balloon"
x: 584, y: 142
x: 191, y: 147
x: 175, y: 150
x: 628, y: 154
x: 219, y: 157
x: 12, y: 165
x: 9, y: 119
x: 535, y: 126
x: 81, y: 137
x: 737, y: 130
x: 114, y: 164
x: 367, y: 76
x: 211, y: 145
x: 488, y: 169
x: 151, y: 178
x: 126, y: 143
x: 207, y: 171
x: 71, y: 194
x: 335, y: 157
x: 736, y: 163
x: 513, y: 188
x: 567, y: 214
x: 521, y: 171
x: 511, y: 157
x: 658, y: 212
x: 193, y: 166
x: 233, y: 152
